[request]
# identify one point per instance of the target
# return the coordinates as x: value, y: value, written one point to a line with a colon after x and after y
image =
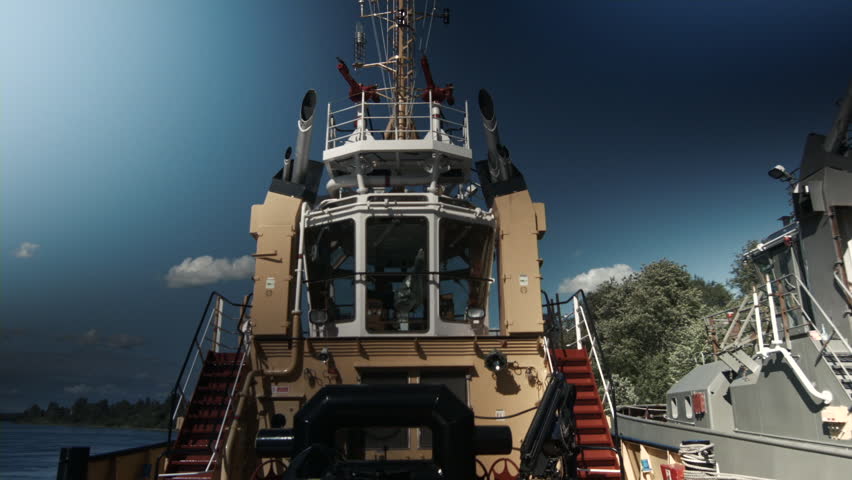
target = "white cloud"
x: 118, y: 341
x: 588, y: 281
x: 206, y: 270
x: 89, y: 338
x: 78, y: 389
x: 82, y: 388
x: 26, y: 250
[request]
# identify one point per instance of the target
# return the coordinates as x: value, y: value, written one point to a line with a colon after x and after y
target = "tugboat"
x: 775, y: 402
x: 365, y: 348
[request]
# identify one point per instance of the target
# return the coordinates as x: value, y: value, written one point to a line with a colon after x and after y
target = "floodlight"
x: 324, y: 355
x: 778, y: 172
x: 474, y: 315
x: 318, y: 317
x: 496, y: 361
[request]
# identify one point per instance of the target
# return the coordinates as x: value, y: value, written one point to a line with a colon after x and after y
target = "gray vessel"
x: 775, y: 401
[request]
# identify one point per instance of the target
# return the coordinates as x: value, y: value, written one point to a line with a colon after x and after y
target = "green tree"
x: 33, y: 412
x: 743, y: 273
x: 80, y: 411
x: 714, y: 294
x: 652, y: 327
x: 145, y: 413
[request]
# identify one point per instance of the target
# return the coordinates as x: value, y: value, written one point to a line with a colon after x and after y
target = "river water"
x: 31, y: 452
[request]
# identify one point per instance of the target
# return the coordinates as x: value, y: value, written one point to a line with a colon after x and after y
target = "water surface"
x: 31, y: 452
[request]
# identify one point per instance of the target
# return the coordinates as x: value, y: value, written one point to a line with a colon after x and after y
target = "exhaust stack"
x: 303, y: 141
x: 498, y: 155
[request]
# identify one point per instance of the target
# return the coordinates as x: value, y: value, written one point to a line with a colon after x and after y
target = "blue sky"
x: 134, y: 135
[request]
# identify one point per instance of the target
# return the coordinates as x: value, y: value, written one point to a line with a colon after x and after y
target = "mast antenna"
x: 397, y: 33
x: 360, y: 45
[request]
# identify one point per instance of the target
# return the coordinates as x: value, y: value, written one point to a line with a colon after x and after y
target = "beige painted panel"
x: 129, y: 465
x: 518, y: 261
x: 100, y: 470
x: 630, y: 453
x: 518, y: 389
x: 275, y: 226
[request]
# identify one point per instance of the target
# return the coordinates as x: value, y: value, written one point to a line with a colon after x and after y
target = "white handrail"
x: 824, y: 395
x: 758, y: 328
x: 843, y: 287
x: 773, y: 321
x: 577, y: 331
x: 825, y: 315
x: 245, y: 332
x: 247, y: 342
x: 580, y: 321
x: 598, y: 365
x: 192, y: 365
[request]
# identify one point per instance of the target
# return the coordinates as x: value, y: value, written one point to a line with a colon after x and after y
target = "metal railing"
x: 646, y: 411
x: 211, y: 335
x: 835, y: 334
x: 390, y: 120
x: 759, y: 315
x: 575, y: 329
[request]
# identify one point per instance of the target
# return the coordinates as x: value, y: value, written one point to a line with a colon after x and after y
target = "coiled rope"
x: 699, y: 461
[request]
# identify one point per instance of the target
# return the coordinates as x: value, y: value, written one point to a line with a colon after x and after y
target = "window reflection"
x: 397, y: 278
x: 465, y: 263
x: 330, y: 259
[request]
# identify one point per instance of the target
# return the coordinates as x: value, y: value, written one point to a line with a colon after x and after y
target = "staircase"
x: 600, y: 461
x: 204, y: 429
x: 841, y: 365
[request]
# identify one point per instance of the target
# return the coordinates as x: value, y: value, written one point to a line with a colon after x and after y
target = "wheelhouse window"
x: 397, y: 274
x: 330, y: 258
x: 465, y: 264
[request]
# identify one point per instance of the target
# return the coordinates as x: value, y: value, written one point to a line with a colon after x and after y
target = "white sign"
x: 524, y: 280
x: 270, y: 283
x: 280, y: 390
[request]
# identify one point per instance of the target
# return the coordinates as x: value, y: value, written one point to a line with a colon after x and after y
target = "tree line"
x: 652, y: 324
x: 145, y: 413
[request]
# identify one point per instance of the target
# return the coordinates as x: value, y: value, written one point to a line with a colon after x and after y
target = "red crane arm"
x: 355, y: 88
x: 439, y: 94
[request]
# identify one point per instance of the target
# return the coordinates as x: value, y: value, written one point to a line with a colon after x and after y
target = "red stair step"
x: 580, y: 382
x: 197, y: 443
x: 571, y: 354
x: 592, y: 426
x: 574, y: 370
x: 191, y: 460
x: 598, y: 439
x: 587, y: 395
x: 588, y: 409
x: 207, y: 413
x: 599, y: 475
x: 203, y: 428
x: 213, y: 388
x: 598, y: 458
